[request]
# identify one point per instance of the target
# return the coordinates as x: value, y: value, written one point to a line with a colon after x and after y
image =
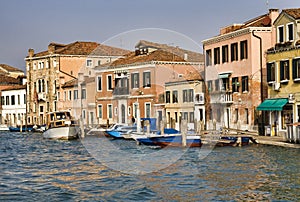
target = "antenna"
x: 267, y: 4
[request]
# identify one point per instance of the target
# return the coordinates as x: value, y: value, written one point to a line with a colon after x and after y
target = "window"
x: 83, y: 93
x: 13, y: 100
x: 216, y: 55
x: 236, y: 115
x: 208, y: 57
x: 217, y: 85
x: 191, y: 120
x: 246, y: 116
x: 75, y: 94
x: 99, y: 83
x: 70, y: 95
x: 225, y: 84
x: 146, y: 79
x: 209, y: 86
x: 109, y: 111
x: 135, y: 80
x: 168, y: 97
x: 83, y: 114
x: 188, y: 95
x: 2, y: 100
x: 100, y: 111
x: 296, y: 69
x: 244, y: 50
x: 147, y: 110
x: 280, y: 34
x: 224, y: 53
x: 19, y: 100
x: 284, y: 70
x: 7, y: 100
x: 234, y: 52
x: 175, y: 96
x: 245, y: 85
x: 65, y: 95
x: 235, y: 84
x: 290, y: 32
x: 109, y: 82
x: 185, y: 116
x: 270, y: 72
x: 89, y: 63
x: 24, y: 99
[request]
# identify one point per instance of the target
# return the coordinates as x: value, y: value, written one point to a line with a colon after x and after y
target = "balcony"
x: 119, y: 91
x: 226, y: 97
x: 42, y: 96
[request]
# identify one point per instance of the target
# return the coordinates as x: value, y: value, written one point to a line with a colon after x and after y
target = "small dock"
x: 252, y: 135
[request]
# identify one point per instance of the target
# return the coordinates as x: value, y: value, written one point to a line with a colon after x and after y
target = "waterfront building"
x: 10, y: 77
x: 184, y: 100
x: 13, y: 102
x: 235, y: 66
x: 49, y: 70
x: 136, y: 83
x: 283, y: 74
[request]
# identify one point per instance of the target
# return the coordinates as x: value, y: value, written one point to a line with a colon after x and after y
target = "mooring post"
x: 162, y: 126
x: 184, y: 132
x: 148, y: 127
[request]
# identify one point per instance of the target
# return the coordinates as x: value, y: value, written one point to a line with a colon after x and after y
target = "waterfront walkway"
x: 275, y: 140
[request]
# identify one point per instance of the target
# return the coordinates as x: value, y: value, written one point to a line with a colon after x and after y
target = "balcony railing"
x: 121, y: 91
x: 226, y: 97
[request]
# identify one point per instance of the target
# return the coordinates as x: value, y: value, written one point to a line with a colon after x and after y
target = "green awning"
x: 223, y: 76
x: 275, y: 104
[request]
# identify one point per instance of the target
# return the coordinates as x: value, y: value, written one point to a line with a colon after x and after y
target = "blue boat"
x: 27, y: 128
x: 174, y: 140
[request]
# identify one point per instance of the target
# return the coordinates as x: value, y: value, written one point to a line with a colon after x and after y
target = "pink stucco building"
x: 236, y: 71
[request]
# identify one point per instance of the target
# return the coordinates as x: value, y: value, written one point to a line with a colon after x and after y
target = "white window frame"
x: 100, y: 117
x: 107, y: 82
x: 145, y: 112
x: 108, y: 110
x: 278, y: 37
x: 89, y: 62
x: 98, y: 83
x: 287, y: 31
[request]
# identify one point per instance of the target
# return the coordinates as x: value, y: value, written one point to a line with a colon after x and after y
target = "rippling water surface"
x: 35, y: 169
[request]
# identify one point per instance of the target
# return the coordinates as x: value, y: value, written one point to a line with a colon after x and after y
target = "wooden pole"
x: 184, y: 132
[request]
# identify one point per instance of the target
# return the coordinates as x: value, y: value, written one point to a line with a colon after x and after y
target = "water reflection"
x: 36, y: 169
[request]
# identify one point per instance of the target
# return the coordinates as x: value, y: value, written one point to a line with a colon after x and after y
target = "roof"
x: 180, y: 52
x: 82, y: 48
x: 71, y: 83
x: 8, y: 80
x: 9, y: 68
x: 293, y: 12
x: 161, y: 52
x: 14, y: 87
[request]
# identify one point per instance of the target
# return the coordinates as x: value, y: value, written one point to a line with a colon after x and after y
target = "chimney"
x: 273, y: 14
x: 51, y: 48
x: 30, y: 52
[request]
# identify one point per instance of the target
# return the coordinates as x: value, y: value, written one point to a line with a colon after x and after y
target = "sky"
x: 36, y: 23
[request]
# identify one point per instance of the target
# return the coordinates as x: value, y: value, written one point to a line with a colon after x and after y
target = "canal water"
x: 36, y: 169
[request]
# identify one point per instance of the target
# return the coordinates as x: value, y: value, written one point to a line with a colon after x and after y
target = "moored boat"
x: 23, y: 128
x: 61, y: 126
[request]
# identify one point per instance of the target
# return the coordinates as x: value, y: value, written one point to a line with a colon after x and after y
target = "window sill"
x: 297, y: 80
x: 284, y: 81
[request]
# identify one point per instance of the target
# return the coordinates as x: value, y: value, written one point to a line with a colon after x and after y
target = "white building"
x: 13, y: 100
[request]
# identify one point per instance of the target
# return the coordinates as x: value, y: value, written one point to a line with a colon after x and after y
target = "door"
x: 123, y: 113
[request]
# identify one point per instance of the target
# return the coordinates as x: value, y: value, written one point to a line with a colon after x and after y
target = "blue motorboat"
x: 27, y: 128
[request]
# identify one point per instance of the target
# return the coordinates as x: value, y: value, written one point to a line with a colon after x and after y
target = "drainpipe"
x: 261, y: 77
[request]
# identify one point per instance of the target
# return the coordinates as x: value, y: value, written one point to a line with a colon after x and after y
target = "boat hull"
x: 62, y: 133
x: 170, y: 140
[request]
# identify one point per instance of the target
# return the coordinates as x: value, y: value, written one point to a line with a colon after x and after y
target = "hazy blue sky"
x: 36, y: 23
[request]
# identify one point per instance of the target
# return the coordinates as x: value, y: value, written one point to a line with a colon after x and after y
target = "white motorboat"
x: 61, y: 126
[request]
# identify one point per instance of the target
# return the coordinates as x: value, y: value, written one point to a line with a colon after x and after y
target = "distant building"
x: 49, y: 70
x: 8, y: 70
x: 12, y: 80
x: 13, y: 102
x: 185, y: 100
x: 136, y: 83
x: 283, y: 73
x: 236, y: 71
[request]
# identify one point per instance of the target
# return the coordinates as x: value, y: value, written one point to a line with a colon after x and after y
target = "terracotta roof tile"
x: 8, y: 80
x: 293, y: 12
x: 14, y: 87
x: 9, y: 68
x: 71, y: 83
x: 83, y: 48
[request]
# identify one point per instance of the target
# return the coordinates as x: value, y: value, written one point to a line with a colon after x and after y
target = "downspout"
x: 261, y: 77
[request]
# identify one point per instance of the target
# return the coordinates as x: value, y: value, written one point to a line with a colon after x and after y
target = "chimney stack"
x: 30, y: 52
